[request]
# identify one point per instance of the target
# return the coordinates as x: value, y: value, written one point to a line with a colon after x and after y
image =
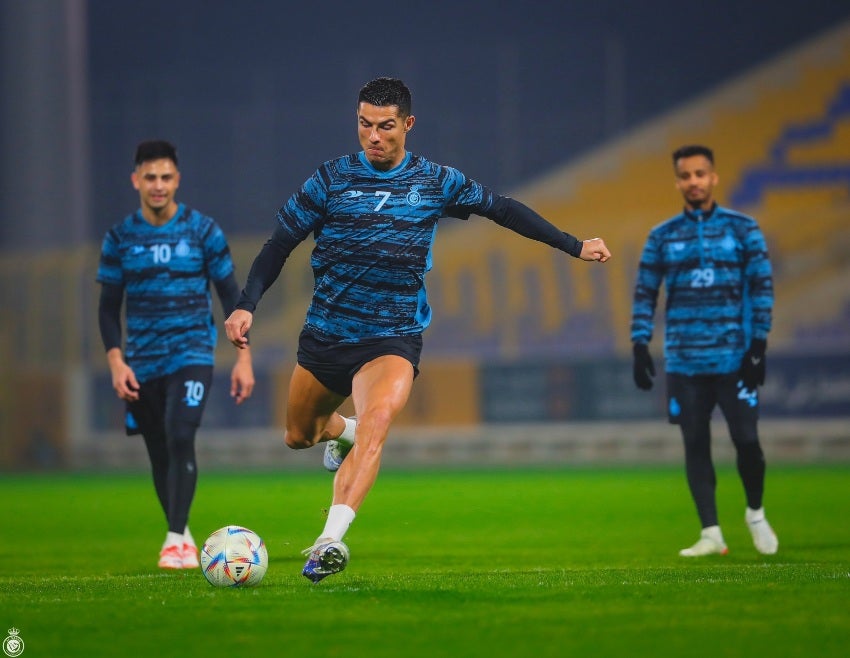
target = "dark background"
x: 257, y: 94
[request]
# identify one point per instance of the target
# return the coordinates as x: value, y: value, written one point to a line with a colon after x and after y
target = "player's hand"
x: 124, y: 382
x: 594, y: 249
x: 236, y: 327
x: 242, y: 380
x: 753, y: 367
x: 644, y: 368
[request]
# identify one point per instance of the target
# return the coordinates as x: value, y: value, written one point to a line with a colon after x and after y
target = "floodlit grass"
x: 571, y: 562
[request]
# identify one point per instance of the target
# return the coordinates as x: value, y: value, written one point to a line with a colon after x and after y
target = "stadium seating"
x: 782, y: 138
x: 781, y: 135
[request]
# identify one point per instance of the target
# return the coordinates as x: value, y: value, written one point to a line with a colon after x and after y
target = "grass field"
x: 572, y: 562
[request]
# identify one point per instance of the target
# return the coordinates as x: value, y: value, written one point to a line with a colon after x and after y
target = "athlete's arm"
x: 266, y: 268
x: 228, y: 292
x: 242, y: 375
x: 649, y: 277
x: 109, y: 318
x: 759, y: 277
x: 521, y: 219
x: 109, y: 315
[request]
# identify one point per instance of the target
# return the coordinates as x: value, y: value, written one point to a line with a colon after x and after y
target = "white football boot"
x: 335, y: 453
x: 336, y: 450
x: 764, y: 539
x: 710, y: 543
x: 171, y: 557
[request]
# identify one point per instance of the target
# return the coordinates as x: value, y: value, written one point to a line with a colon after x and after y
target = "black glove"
x: 753, y: 365
x: 644, y: 369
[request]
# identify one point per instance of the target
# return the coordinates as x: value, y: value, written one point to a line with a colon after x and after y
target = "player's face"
x: 695, y: 179
x: 382, y: 133
x: 157, y: 182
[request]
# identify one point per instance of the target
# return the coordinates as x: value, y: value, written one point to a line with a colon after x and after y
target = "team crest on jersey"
x: 413, y: 197
x: 182, y: 249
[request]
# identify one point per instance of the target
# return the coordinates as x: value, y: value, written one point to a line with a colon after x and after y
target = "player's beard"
x: 697, y: 198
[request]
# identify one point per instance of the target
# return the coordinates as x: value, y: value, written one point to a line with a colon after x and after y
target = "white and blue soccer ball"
x: 234, y: 556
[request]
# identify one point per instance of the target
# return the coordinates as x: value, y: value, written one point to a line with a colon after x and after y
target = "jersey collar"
x: 700, y: 215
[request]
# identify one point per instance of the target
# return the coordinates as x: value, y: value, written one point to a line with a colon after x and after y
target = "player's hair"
x: 691, y: 150
x: 383, y: 92
x: 155, y: 149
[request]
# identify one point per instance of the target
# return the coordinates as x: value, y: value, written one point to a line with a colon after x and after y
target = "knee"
x: 181, y: 436
x: 749, y: 448
x: 379, y: 418
x: 297, y: 440
x: 696, y: 438
x: 375, y: 426
x: 746, y: 437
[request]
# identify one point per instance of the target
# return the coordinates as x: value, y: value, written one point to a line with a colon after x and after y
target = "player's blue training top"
x: 374, y: 231
x: 166, y: 271
x: 719, y: 288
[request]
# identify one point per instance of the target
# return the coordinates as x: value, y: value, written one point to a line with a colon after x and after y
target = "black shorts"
x: 168, y: 401
x: 335, y: 364
x: 693, y: 398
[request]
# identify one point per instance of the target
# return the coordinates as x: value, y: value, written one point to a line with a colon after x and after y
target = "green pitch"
x: 568, y: 562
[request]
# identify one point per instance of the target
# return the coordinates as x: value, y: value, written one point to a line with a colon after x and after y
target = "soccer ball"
x: 234, y: 556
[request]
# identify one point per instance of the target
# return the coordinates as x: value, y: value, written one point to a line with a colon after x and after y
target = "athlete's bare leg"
x: 311, y: 415
x: 380, y: 390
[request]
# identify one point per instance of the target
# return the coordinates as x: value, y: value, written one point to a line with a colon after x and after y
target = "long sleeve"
x: 758, y: 275
x: 521, y: 219
x: 266, y: 268
x: 228, y: 292
x: 109, y: 315
x: 649, y: 277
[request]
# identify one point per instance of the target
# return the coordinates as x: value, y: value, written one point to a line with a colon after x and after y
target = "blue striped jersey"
x: 719, y: 289
x: 374, y: 232
x: 165, y: 272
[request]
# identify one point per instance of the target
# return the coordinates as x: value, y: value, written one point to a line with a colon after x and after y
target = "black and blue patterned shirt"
x: 374, y: 232
x: 166, y: 272
x: 719, y: 289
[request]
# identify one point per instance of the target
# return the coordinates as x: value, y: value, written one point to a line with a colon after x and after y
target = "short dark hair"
x: 383, y: 92
x: 691, y: 150
x: 155, y: 149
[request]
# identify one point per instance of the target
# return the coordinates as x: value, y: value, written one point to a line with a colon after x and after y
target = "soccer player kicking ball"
x: 373, y: 216
x: 715, y: 265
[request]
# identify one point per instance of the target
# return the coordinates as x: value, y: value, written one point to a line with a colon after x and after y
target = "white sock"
x: 173, y: 539
x: 755, y: 515
x: 187, y: 537
x: 339, y: 518
x: 713, y: 532
x: 347, y: 436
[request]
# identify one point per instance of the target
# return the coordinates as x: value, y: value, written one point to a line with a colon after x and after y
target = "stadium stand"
x: 782, y: 137
x: 781, y: 134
